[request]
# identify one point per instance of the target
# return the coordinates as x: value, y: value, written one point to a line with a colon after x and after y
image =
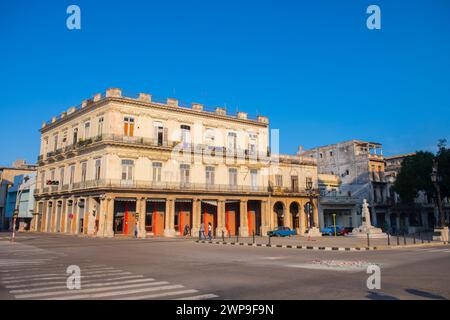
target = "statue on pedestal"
x: 366, y: 227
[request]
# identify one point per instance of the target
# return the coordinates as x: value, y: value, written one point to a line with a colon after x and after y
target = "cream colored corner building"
x: 116, y: 166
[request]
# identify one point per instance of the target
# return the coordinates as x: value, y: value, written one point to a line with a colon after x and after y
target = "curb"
x: 284, y: 246
x: 347, y: 249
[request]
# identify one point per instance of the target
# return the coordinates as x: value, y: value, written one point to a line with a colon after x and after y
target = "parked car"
x: 282, y: 232
x: 329, y: 230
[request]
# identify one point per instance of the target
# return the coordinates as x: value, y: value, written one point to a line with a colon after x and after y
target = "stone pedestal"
x: 313, y: 232
x: 366, y: 229
x: 440, y: 234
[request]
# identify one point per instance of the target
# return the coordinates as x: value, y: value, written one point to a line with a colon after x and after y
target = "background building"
x: 420, y: 216
x: 115, y: 162
x: 21, y: 195
x: 359, y: 166
x: 7, y: 175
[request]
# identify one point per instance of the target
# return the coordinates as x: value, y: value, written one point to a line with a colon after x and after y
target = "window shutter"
x: 165, y: 136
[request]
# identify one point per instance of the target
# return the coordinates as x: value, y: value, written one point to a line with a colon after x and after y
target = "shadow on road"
x: 425, y: 294
x: 378, y: 296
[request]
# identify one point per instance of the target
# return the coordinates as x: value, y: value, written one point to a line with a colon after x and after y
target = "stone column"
x: 102, y: 216
x: 221, y: 224
x: 91, y: 208
x: 316, y: 213
x: 287, y: 216
x: 264, y: 217
x: 64, y: 216
x: 302, y: 219
x: 243, y: 228
x: 53, y: 216
x: 196, y: 216
x: 142, y: 206
x: 108, y: 230
x: 169, y: 230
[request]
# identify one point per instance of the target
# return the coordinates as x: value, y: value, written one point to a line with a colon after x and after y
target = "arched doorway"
x: 295, y: 215
x: 309, y: 214
x: 278, y: 209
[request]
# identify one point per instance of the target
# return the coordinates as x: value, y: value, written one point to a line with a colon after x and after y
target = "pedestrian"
x: 202, y: 231
x: 209, y: 231
x: 136, y: 230
x: 186, y: 230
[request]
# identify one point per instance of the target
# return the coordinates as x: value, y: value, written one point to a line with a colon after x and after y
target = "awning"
x: 157, y: 200
x: 183, y: 200
x: 125, y: 199
x: 210, y: 202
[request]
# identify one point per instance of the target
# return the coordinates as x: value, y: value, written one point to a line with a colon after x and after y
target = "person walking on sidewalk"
x: 209, y: 231
x: 202, y: 231
x: 136, y: 231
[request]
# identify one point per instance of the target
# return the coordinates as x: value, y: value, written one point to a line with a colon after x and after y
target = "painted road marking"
x: 201, y: 297
x: 161, y: 295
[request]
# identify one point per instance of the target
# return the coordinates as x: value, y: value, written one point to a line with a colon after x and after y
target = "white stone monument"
x: 366, y: 228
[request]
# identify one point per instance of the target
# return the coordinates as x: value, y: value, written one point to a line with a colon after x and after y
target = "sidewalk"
x: 329, y: 243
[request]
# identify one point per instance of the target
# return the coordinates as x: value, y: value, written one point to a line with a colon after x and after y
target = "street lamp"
x: 310, y: 193
x: 435, y: 179
x: 334, y: 224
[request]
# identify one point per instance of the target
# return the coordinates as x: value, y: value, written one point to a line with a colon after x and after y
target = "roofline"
x: 404, y: 155
x: 343, y: 142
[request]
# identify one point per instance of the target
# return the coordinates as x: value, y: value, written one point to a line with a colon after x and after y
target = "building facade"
x: 7, y: 175
x: 359, y: 166
x: 420, y: 216
x: 21, y: 197
x: 116, y: 165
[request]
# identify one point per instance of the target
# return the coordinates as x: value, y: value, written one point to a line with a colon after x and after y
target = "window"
x: 252, y: 143
x: 75, y: 135
x: 128, y: 126
x: 64, y: 140
x: 210, y: 137
x: 72, y: 174
x: 55, y: 142
x: 320, y: 155
x: 87, y: 130
x: 157, y: 166
x: 160, y: 133
x: 184, y: 173
x: 279, y: 180
x: 52, y: 175
x: 210, y: 173
x: 42, y: 179
x: 98, y: 169
x: 331, y: 153
x: 232, y: 139
x: 45, y: 145
x: 127, y: 170
x: 254, y: 179
x: 61, y: 176
x: 294, y: 183
x: 101, y: 120
x: 83, y: 171
x: 232, y: 177
x: 185, y: 134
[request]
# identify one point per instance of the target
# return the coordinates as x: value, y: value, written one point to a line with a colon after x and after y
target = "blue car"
x: 282, y: 232
x: 329, y: 230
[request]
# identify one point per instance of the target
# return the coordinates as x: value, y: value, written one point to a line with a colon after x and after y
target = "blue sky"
x: 311, y: 66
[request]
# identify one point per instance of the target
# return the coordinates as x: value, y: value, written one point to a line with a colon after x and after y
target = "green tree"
x: 414, y: 176
x: 443, y: 159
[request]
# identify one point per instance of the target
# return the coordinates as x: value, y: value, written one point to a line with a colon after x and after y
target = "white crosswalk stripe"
x: 35, y: 274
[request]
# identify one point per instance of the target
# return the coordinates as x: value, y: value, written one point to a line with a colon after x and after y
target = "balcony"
x: 181, y: 147
x: 150, y: 185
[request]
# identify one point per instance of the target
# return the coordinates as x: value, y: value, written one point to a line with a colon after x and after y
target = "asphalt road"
x: 34, y: 267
